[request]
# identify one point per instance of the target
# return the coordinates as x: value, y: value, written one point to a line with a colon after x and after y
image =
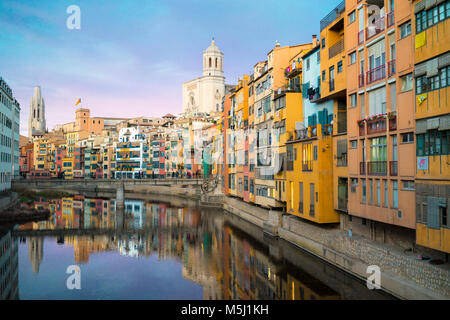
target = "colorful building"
x: 429, y: 26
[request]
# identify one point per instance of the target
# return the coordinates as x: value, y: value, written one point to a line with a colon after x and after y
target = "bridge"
x: 185, y: 188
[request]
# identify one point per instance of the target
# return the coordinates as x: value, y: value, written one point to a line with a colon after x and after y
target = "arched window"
x: 38, y: 114
x: 34, y: 113
x: 216, y: 62
x: 210, y: 62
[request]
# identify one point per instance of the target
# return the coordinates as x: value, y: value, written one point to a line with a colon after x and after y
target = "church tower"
x: 213, y: 61
x: 36, y: 118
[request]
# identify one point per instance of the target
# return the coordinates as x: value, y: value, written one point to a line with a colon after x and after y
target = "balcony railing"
x: 393, y: 168
x: 333, y: 15
x: 361, y: 80
x: 390, y: 19
x: 311, y: 210
x: 362, y: 168
x: 332, y: 85
x: 362, y: 129
x: 377, y: 27
x: 377, y: 167
x: 342, y: 204
x: 376, y: 126
x: 360, y: 37
x: 391, y: 68
x: 376, y: 74
x: 327, y: 129
x: 393, y: 123
x: 336, y: 49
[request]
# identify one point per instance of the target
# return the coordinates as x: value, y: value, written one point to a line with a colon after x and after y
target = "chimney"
x: 314, y: 40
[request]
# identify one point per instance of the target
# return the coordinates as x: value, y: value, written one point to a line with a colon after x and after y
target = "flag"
x: 79, y: 101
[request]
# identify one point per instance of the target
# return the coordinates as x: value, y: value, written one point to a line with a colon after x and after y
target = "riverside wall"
x: 401, y: 274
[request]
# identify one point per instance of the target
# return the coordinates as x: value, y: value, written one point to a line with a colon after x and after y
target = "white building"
x: 9, y: 134
x: 131, y: 151
x: 204, y: 94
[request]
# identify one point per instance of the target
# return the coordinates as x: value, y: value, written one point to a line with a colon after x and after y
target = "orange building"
x: 380, y: 126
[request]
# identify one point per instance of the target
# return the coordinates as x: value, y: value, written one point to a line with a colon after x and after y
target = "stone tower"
x: 36, y: 118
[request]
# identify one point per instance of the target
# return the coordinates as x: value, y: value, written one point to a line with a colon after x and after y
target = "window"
x: 433, y: 143
x: 323, y: 75
x: 341, y: 153
x: 307, y: 64
x: 407, y: 137
x: 353, y: 102
x: 370, y: 191
x: 386, y: 199
x: 352, y: 17
x: 354, y: 144
x: 364, y: 191
x: 405, y: 29
x: 395, y: 194
x: 352, y: 57
x: 406, y: 82
x: 378, y: 192
x: 323, y: 43
x: 353, y: 185
x: 408, y: 185
x: 427, y: 18
x: 393, y: 90
x: 424, y: 84
x: 300, y: 197
x: 362, y: 103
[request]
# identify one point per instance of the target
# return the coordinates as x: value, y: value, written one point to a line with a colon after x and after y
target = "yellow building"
x: 430, y: 25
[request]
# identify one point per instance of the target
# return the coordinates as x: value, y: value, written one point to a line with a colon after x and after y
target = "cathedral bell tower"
x: 213, y: 61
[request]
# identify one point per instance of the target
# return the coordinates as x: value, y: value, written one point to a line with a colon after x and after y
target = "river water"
x: 159, y: 250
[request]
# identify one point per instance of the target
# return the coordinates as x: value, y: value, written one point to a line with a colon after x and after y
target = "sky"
x: 130, y: 58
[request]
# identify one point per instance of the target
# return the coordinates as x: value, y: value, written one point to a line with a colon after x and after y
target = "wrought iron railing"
x: 377, y: 167
x: 376, y: 74
x: 393, y: 168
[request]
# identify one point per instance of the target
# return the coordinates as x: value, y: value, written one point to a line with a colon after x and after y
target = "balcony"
x: 327, y: 129
x: 392, y: 122
x: 311, y: 210
x: 336, y: 49
x: 376, y: 74
x: 376, y: 126
x: 331, y: 85
x: 391, y: 68
x: 377, y: 27
x: 362, y: 168
x: 333, y: 15
x: 377, y: 167
x: 361, y: 80
x: 390, y: 19
x: 362, y: 128
x: 393, y: 168
x: 361, y: 37
x: 342, y: 204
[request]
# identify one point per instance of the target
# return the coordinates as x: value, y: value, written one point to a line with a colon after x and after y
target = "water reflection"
x: 155, y: 250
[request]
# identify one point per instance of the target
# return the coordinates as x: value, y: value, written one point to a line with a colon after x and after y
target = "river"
x: 159, y: 250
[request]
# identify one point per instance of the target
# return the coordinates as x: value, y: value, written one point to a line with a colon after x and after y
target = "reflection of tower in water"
x: 35, y: 252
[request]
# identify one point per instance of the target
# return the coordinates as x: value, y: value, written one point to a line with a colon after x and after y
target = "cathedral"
x: 204, y: 95
x: 36, y: 118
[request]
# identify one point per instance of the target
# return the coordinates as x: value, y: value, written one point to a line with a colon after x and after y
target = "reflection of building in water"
x: 131, y: 246
x: 83, y: 246
x: 137, y: 210
x: 9, y: 267
x: 35, y: 252
x: 249, y: 272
